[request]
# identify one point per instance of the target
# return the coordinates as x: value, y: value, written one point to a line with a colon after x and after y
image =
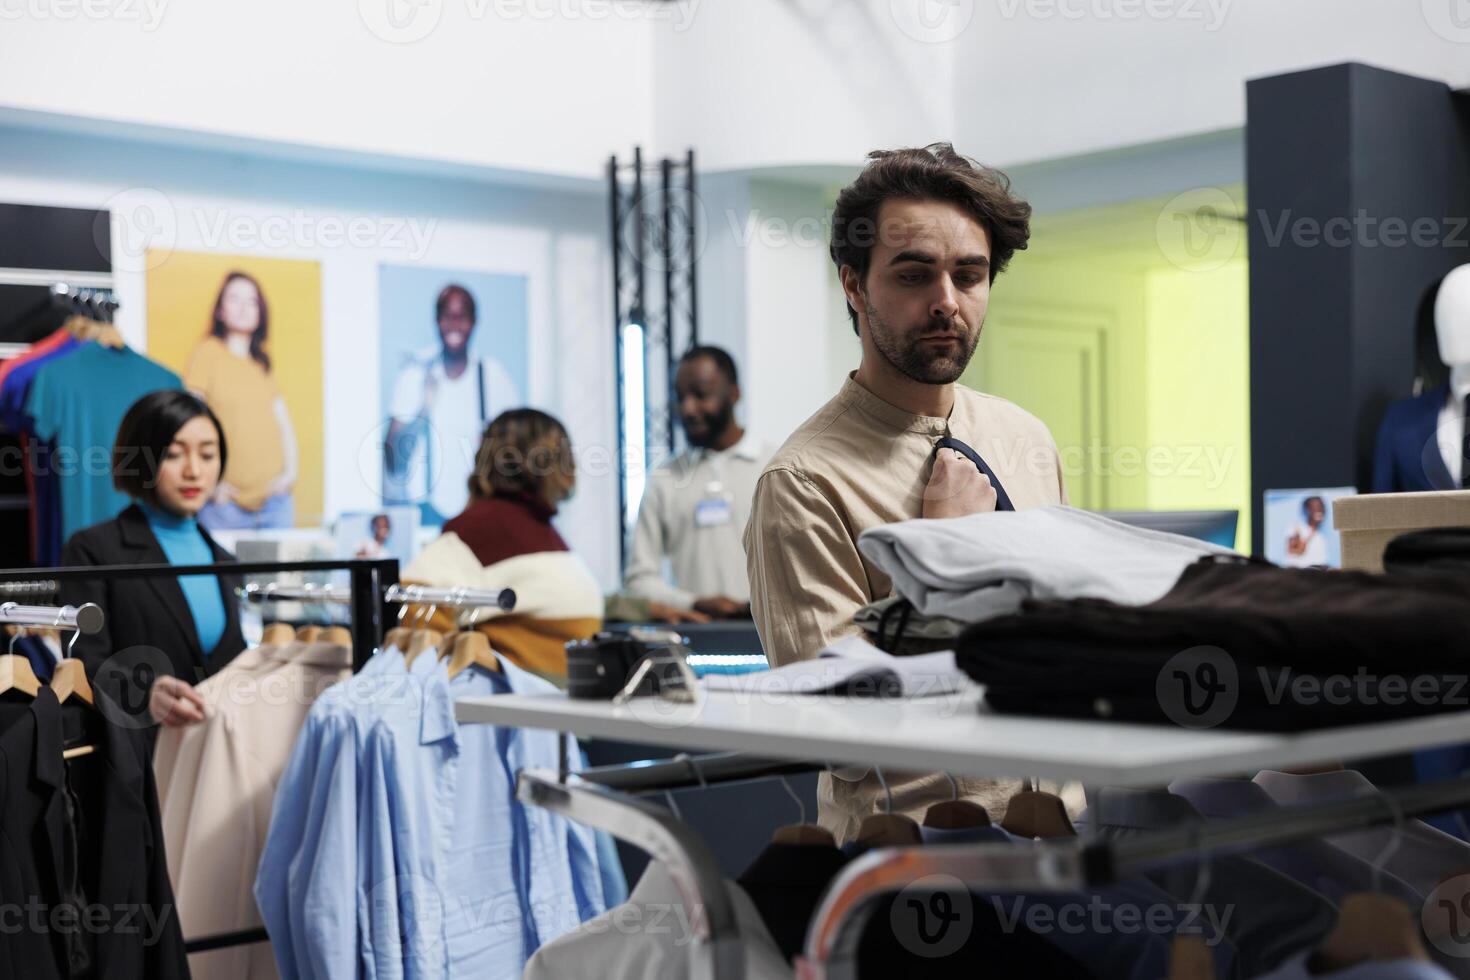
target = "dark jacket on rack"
x: 149, y: 628
x: 82, y: 863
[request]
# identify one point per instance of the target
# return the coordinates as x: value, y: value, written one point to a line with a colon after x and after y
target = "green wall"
x: 1140, y: 366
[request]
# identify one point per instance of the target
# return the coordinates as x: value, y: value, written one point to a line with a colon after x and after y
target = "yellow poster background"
x: 182, y: 287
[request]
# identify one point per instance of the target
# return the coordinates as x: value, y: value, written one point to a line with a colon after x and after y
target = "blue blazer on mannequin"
x: 1408, y: 459
x: 1407, y: 456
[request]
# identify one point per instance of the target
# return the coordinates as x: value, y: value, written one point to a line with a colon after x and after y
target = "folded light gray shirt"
x: 977, y: 567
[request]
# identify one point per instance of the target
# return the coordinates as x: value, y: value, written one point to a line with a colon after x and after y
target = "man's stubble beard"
x: 911, y: 362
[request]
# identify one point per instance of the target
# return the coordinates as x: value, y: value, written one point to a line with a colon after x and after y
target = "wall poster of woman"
x: 252, y: 351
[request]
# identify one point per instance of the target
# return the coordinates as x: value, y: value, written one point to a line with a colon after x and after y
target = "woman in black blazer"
x: 169, y: 455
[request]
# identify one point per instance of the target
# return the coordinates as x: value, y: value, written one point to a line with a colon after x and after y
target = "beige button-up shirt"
x: 682, y: 518
x: 860, y: 462
x: 217, y: 785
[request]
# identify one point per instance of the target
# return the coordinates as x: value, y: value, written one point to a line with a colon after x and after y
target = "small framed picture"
x: 386, y: 533
x: 1299, y: 531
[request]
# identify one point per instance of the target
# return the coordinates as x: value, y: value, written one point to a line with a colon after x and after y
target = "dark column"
x: 1357, y: 186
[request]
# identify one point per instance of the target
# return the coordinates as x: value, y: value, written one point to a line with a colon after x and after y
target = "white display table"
x: 953, y: 733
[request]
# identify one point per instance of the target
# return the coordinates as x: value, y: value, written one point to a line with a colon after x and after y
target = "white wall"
x: 1047, y: 78
x: 557, y: 240
x: 769, y: 295
x: 554, y: 86
x: 769, y: 83
x: 512, y: 84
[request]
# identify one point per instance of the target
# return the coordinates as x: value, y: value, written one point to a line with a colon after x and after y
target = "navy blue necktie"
x: 1002, y: 499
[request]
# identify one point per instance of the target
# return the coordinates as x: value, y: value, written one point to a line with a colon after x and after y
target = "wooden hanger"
x: 469, y: 649
x: 1369, y: 928
x: 308, y: 634
x: 888, y: 829
x: 277, y: 634
x: 1190, y: 959
x: 71, y: 679
x: 397, y: 637
x: 16, y: 675
x: 805, y: 835
x: 420, y: 641
x: 1036, y: 815
x: 955, y: 813
x: 338, y: 635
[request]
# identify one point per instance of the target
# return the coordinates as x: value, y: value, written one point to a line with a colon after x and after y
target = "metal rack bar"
x: 717, y: 953
x: 86, y: 618
x: 686, y: 772
x: 50, y: 277
x: 39, y: 587
x: 504, y: 599
x: 387, y: 566
x: 370, y: 600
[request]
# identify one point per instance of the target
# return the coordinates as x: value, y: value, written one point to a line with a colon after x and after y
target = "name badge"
x: 712, y: 512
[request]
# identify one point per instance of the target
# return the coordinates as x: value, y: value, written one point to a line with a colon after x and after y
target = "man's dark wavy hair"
x: 931, y: 173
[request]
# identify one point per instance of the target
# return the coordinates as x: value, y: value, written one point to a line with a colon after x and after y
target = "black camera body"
x: 600, y: 667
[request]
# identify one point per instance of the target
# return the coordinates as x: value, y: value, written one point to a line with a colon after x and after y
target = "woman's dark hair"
x: 524, y: 451
x: 146, y: 432
x: 931, y: 173
x: 262, y: 331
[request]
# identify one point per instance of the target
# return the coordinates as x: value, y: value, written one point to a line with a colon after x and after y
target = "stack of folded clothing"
x: 949, y: 573
x: 1237, y: 643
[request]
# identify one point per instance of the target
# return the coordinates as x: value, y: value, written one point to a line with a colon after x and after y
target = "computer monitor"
x: 1215, y: 526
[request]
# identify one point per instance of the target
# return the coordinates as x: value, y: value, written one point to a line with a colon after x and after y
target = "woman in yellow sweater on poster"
x: 231, y: 371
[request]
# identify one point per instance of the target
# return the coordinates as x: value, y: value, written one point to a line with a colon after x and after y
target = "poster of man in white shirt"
x: 1299, y: 531
x: 442, y: 394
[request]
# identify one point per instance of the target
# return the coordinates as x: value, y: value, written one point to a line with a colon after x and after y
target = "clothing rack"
x: 696, y: 875
x: 600, y: 798
x: 372, y: 591
x: 503, y: 599
x: 55, y: 277
x: 368, y: 587
x: 836, y: 929
x: 88, y: 294
x: 87, y: 618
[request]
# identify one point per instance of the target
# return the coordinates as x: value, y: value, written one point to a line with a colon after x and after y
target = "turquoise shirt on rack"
x: 183, y: 544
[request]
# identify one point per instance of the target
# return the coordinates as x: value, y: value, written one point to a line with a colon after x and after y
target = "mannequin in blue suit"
x: 1411, y: 451
x: 1411, y: 455
x: 1408, y: 457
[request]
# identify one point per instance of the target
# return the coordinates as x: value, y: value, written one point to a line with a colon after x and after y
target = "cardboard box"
x: 1368, y: 522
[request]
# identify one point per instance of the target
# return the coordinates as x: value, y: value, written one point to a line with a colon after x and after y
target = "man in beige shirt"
x: 695, y: 506
x: 918, y: 239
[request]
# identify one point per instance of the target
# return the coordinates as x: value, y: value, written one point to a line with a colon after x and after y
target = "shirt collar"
x: 1223, y: 797
x: 438, y: 722
x: 856, y: 396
